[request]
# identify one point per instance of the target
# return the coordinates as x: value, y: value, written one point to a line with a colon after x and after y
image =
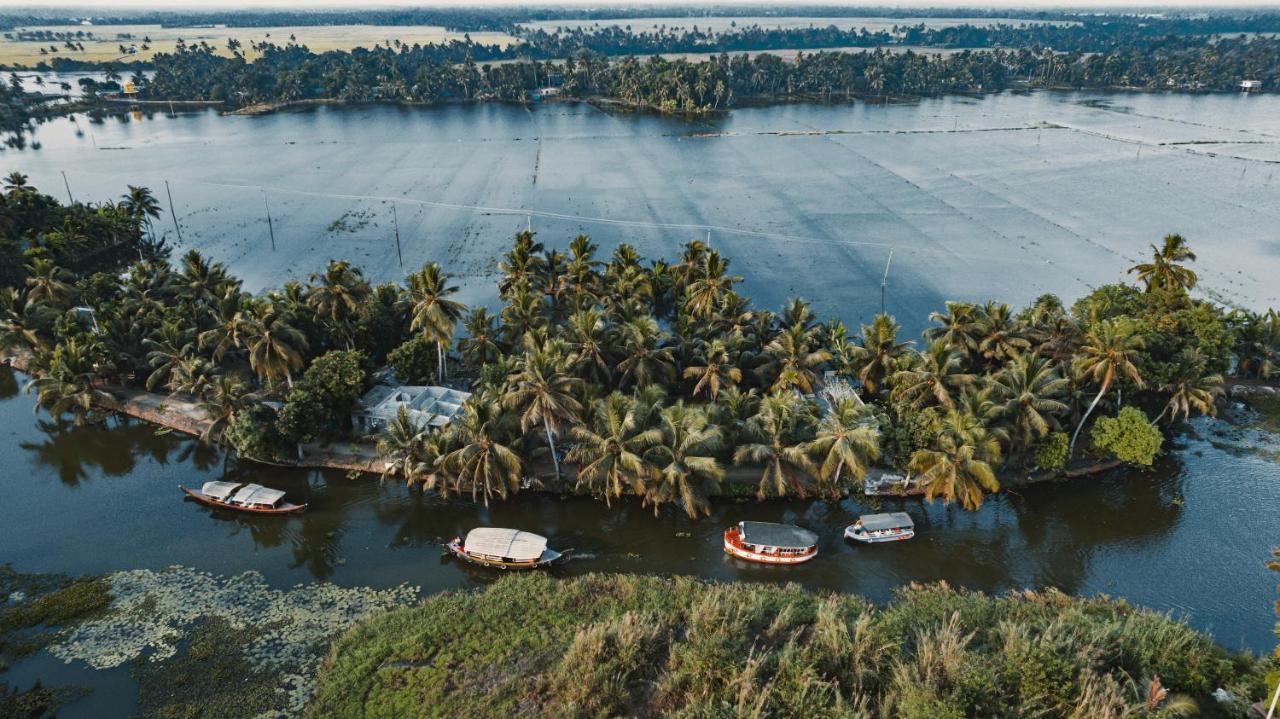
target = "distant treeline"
x: 429, y: 74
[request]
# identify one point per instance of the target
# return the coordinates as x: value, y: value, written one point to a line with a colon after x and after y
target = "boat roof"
x: 889, y: 520
x: 219, y: 490
x: 509, y: 543
x: 257, y: 494
x: 769, y: 534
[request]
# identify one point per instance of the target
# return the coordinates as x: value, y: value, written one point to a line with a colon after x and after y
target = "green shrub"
x: 1129, y: 436
x: 1051, y: 451
x: 415, y: 362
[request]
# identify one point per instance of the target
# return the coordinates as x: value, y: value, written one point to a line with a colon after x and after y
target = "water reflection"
x: 113, y: 448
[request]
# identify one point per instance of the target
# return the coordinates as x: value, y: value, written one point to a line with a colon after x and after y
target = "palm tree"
x: 878, y: 353
x: 792, y: 360
x: 610, y: 453
x: 165, y: 350
x: 480, y: 346
x: 958, y: 466
x: 644, y: 360
x: 999, y: 341
x: 716, y: 371
x: 227, y: 319
x: 336, y: 296
x: 960, y: 327
x: 848, y: 439
x: 46, y: 282
x: 227, y: 397
x: 201, y: 280
x: 934, y: 379
x: 1191, y: 389
x: 434, y: 314
x: 412, y: 452
x: 70, y: 384
x: 1109, y: 351
x: 482, y: 459
x: 275, y: 346
x: 543, y: 394
x: 1163, y: 271
x: 686, y: 467
x: 1030, y: 388
x: 141, y: 205
x: 16, y: 182
x: 585, y: 336
x: 709, y: 284
x: 775, y: 430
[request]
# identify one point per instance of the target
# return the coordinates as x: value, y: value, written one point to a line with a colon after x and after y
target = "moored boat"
x: 243, y: 498
x: 504, y: 549
x: 770, y: 543
x: 875, y: 528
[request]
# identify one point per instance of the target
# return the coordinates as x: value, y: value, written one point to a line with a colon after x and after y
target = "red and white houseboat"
x: 770, y: 543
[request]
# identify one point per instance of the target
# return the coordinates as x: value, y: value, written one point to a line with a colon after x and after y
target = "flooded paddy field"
x: 1005, y: 196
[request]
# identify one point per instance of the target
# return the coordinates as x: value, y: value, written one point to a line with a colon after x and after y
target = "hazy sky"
x: 243, y: 5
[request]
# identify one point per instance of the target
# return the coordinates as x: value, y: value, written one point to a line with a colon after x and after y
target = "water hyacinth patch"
x: 152, y: 612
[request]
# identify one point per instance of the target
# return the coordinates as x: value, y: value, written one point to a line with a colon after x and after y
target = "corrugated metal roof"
x: 888, y: 520
x: 257, y: 494
x: 219, y: 490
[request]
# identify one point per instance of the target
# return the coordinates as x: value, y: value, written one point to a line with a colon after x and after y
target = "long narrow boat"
x: 241, y: 497
x: 877, y: 528
x: 504, y: 549
x: 770, y: 543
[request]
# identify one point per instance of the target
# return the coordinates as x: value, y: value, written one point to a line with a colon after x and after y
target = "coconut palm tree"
x: 585, y: 335
x: 480, y: 347
x: 644, y: 359
x: 414, y: 453
x: 483, y: 460
x: 543, y: 394
x: 16, y: 182
x: 709, y: 284
x: 70, y: 384
x: 1163, y: 271
x: 848, y: 439
x: 46, y: 282
x: 201, y: 281
x: 716, y: 371
x: 170, y: 345
x: 1109, y: 351
x: 336, y: 296
x: 1191, y: 389
x: 684, y: 456
x: 935, y: 379
x: 274, y: 345
x: 777, y: 446
x: 611, y: 452
x: 958, y: 467
x: 227, y: 397
x: 434, y: 314
x: 227, y: 319
x: 1030, y: 390
x: 960, y: 326
x: 791, y: 359
x: 878, y: 352
x: 1000, y: 340
x: 141, y: 205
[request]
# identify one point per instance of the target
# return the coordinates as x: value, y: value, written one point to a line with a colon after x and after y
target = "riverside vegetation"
x: 622, y: 645
x: 647, y: 378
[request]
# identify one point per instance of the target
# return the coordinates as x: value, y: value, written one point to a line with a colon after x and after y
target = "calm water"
x: 1005, y: 196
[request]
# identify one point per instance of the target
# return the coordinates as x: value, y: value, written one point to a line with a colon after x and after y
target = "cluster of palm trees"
x: 649, y: 378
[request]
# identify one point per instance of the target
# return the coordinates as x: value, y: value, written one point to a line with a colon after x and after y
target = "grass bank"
x: 622, y: 645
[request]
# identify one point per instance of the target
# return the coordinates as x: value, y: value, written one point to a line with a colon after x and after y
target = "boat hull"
x: 548, y: 558
x: 866, y: 538
x: 733, y: 547
x: 202, y: 498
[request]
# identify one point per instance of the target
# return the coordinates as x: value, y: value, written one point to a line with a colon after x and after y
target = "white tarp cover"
x: 508, y: 543
x: 257, y: 494
x: 219, y: 490
x: 889, y: 520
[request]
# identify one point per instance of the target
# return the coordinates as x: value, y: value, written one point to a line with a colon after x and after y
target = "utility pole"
x: 884, y: 281
x: 70, y: 199
x: 270, y: 227
x: 172, y: 212
x: 395, y: 222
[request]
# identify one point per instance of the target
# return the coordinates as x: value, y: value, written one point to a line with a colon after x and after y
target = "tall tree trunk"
x: 1072, y: 448
x: 552, y: 445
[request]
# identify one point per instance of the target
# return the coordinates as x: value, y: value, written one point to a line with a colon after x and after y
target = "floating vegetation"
x: 284, y: 631
x: 351, y: 221
x: 34, y: 606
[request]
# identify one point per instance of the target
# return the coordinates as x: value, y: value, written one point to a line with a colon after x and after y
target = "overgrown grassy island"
x: 604, y: 646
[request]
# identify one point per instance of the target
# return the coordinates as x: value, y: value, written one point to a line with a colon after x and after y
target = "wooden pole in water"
x: 271, y: 228
x: 70, y: 199
x: 172, y: 212
x: 884, y: 281
x: 395, y: 222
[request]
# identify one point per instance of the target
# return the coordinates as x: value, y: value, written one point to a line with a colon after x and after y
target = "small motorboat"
x: 504, y: 549
x: 875, y: 528
x: 770, y: 543
x: 243, y: 498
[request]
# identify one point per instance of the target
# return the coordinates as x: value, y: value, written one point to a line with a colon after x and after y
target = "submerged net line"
x: 589, y: 220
